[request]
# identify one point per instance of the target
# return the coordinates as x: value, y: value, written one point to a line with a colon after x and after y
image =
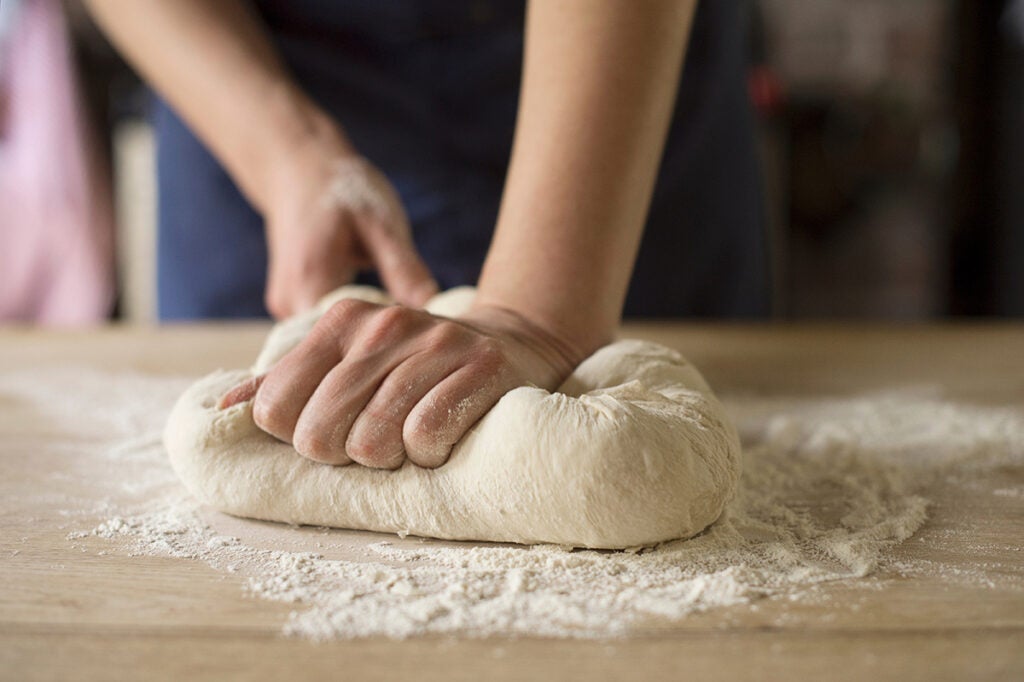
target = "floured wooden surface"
x: 84, y: 545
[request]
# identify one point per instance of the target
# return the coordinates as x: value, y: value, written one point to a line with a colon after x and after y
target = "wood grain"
x: 67, y: 612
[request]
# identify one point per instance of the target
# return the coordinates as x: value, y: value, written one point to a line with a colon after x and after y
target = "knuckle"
x: 425, y: 446
x: 309, y: 441
x: 435, y: 426
x: 422, y: 429
x: 376, y: 453
x: 393, y: 316
x: 381, y: 415
x: 267, y: 415
x: 387, y: 324
x: 444, y: 336
x: 343, y: 313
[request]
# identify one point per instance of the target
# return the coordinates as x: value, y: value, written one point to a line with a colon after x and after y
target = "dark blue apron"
x: 427, y: 90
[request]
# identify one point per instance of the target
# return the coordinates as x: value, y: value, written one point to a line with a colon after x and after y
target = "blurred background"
x: 892, y: 139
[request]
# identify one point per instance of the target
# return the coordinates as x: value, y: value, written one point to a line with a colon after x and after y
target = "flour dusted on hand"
x: 633, y: 449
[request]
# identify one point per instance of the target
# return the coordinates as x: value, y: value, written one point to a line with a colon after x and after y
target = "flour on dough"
x: 633, y: 449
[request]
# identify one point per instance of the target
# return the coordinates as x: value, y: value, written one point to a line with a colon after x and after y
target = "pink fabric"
x: 56, y: 224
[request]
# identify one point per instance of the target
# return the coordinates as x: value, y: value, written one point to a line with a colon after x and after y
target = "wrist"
x: 300, y: 139
x: 560, y: 351
x: 582, y: 327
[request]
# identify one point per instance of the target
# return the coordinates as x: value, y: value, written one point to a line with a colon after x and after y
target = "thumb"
x: 405, y: 275
x: 302, y: 269
x: 292, y: 289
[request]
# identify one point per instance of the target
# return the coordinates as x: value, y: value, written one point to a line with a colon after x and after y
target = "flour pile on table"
x: 829, y: 488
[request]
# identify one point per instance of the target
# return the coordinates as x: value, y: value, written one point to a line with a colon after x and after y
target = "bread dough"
x: 633, y: 449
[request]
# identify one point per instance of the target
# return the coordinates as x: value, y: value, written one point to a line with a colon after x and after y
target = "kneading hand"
x: 378, y: 384
x: 329, y: 214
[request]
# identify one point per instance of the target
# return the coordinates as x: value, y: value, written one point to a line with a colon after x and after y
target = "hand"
x: 378, y: 384
x: 332, y: 213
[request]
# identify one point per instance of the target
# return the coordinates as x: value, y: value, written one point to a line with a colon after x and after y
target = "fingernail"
x: 240, y: 393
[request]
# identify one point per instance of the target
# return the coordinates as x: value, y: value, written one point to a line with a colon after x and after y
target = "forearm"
x: 215, y: 64
x: 599, y: 84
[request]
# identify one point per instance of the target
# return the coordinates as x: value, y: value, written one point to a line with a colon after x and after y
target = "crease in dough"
x: 632, y: 450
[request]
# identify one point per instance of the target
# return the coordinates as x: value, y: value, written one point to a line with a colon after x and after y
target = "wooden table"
x: 71, y: 615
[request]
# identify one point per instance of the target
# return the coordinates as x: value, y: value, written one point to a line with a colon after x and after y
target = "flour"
x: 829, y: 488
x: 357, y: 185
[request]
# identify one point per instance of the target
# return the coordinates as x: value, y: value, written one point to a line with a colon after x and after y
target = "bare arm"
x: 214, y: 62
x: 376, y: 385
x: 599, y: 85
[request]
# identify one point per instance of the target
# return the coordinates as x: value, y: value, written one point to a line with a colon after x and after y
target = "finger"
x: 298, y: 287
x: 282, y: 280
x: 448, y: 411
x: 379, y: 344
x: 360, y: 257
x: 323, y: 427
x: 405, y: 275
x: 375, y: 438
x: 306, y: 264
x: 240, y: 393
x: 288, y: 386
x: 321, y: 282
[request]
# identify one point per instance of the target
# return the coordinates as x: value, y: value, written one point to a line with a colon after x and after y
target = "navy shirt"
x: 427, y: 90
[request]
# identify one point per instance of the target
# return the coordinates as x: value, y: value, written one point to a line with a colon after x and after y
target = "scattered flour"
x: 1009, y: 492
x: 829, y: 487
